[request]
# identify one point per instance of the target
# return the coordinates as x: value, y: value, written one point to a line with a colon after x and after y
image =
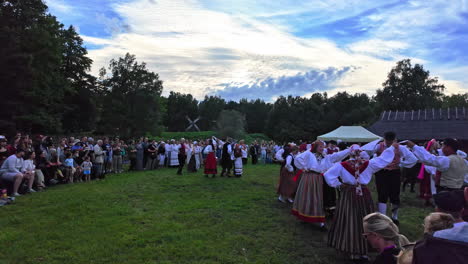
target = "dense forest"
x: 47, y: 88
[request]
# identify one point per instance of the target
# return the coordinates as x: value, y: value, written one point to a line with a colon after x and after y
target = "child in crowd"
x: 29, y: 169
x: 437, y: 221
x: 86, y: 166
x: 69, y: 168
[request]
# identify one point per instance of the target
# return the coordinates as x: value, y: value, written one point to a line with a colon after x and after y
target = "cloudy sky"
x: 264, y: 49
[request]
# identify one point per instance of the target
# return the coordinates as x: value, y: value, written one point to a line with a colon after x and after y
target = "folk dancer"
x: 287, y: 185
x: 355, y: 201
x: 451, y: 167
x: 226, y: 162
x: 236, y: 156
x: 182, y: 155
x: 388, y: 180
x: 210, y: 163
x: 308, y: 204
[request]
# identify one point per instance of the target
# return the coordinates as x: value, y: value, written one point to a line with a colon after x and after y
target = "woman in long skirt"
x: 238, y: 163
x: 210, y: 162
x: 287, y: 184
x: 191, y: 165
x: 308, y: 203
x: 162, y: 154
x: 355, y: 201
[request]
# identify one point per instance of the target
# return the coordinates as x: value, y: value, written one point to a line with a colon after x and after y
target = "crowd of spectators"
x: 445, y: 238
x: 29, y: 164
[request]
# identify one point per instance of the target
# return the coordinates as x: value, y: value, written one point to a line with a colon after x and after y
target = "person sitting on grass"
x: 11, y: 171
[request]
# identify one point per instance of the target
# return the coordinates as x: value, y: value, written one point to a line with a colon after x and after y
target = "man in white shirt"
x: 388, y: 179
x: 451, y: 166
x: 11, y: 170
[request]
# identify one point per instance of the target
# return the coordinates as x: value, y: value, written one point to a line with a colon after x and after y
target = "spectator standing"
x: 117, y: 157
x: 132, y: 155
x: 86, y: 166
x: 98, y: 160
x: 162, y: 154
x: 140, y: 154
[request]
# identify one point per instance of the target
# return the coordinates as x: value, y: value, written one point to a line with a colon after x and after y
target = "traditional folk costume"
x: 226, y: 161
x: 388, y: 180
x: 174, y: 157
x: 308, y: 204
x: 210, y: 162
x: 329, y: 193
x: 168, y: 148
x: 426, y: 176
x: 162, y: 154
x: 191, y: 162
x: 451, y: 169
x: 287, y: 184
x: 355, y: 201
x: 197, y: 154
x: 236, y: 156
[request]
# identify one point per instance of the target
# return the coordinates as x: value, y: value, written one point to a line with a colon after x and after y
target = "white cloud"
x: 198, y: 51
x: 58, y: 6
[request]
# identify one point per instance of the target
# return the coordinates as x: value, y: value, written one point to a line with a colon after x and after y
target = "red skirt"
x: 210, y: 164
x: 425, y: 187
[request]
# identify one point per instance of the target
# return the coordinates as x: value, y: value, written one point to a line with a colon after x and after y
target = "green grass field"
x: 159, y: 217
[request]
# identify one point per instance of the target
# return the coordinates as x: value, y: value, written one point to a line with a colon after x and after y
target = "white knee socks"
x: 395, y: 211
x: 383, y: 208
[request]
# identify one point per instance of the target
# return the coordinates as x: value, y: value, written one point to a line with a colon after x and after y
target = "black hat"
x: 452, y: 201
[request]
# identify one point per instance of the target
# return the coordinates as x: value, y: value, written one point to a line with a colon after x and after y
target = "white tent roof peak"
x: 350, y: 134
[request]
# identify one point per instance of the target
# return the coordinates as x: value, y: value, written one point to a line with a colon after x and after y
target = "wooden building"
x: 425, y: 124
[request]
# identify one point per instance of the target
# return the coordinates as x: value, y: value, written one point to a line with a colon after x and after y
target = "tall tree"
x: 409, y: 88
x: 131, y: 104
x: 209, y: 110
x: 231, y: 123
x: 180, y: 106
x: 455, y: 100
x: 30, y: 62
x: 80, y: 111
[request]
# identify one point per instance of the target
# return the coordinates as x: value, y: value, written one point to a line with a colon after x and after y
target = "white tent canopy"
x: 350, y: 134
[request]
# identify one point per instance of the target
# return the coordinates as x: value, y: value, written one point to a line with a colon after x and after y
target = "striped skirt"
x: 308, y: 204
x: 287, y: 186
x: 346, y: 230
x: 238, y: 166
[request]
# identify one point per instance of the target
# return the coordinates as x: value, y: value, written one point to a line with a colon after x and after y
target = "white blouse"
x: 208, y: 149
x: 288, y: 164
x: 308, y: 161
x: 375, y: 164
x: 279, y: 155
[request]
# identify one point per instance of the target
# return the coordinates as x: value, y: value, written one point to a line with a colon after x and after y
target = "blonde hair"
x: 383, y: 226
x: 438, y: 221
x: 406, y: 256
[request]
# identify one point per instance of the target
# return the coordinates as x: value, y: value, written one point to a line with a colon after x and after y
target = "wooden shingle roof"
x: 424, y: 124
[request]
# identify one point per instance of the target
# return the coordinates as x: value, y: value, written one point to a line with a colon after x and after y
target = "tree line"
x: 47, y: 88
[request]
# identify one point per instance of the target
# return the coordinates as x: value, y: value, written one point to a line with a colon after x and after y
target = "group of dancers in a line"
x: 312, y: 173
